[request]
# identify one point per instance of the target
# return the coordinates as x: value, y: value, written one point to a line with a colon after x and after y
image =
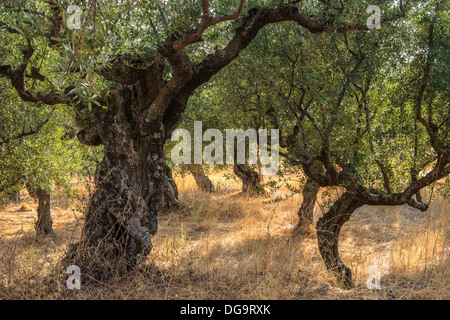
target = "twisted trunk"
x: 122, y: 213
x: 14, y: 196
x: 44, y: 223
x: 132, y: 184
x: 328, y: 229
x: 251, y: 180
x: 202, y: 180
x: 306, y: 211
x: 171, y: 201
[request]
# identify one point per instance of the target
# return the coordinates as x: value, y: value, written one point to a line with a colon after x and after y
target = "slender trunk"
x: 306, y: 211
x: 171, y: 201
x: 44, y: 223
x: 31, y: 193
x: 14, y: 196
x: 202, y: 180
x: 251, y: 180
x: 328, y: 229
x: 414, y: 172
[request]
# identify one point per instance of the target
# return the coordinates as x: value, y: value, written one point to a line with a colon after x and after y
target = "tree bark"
x: 251, y: 180
x: 328, y: 229
x: 202, y: 180
x: 14, y: 196
x: 122, y: 214
x: 44, y: 223
x: 171, y: 200
x: 306, y: 211
x: 31, y: 193
x: 132, y: 185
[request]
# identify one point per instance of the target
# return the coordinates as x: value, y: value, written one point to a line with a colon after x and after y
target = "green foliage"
x: 286, y: 65
x: 50, y: 158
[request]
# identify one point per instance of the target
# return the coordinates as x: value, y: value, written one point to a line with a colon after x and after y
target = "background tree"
x: 199, y: 109
x: 377, y: 124
x: 272, y: 62
x: 217, y: 107
x: 47, y: 159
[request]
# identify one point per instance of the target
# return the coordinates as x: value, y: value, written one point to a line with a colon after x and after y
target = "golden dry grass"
x: 230, y: 246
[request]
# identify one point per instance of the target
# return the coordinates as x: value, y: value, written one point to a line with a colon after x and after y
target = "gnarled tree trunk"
x: 202, y: 180
x: 328, y: 229
x: 306, y: 211
x: 171, y: 201
x: 132, y: 184
x: 251, y: 180
x: 44, y: 223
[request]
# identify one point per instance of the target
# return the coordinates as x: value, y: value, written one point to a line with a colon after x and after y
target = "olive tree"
x: 371, y: 117
x: 40, y: 153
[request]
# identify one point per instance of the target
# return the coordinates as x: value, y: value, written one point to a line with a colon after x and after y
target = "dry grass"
x: 230, y: 246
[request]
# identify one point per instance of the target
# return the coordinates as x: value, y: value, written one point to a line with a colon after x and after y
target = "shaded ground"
x: 230, y: 246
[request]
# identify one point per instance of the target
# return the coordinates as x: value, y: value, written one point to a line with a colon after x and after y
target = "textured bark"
x: 328, y: 229
x: 306, y: 211
x: 44, y: 223
x: 251, y: 180
x: 202, y: 180
x: 171, y: 201
x: 133, y: 184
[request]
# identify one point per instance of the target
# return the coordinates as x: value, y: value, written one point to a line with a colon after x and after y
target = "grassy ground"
x: 230, y: 246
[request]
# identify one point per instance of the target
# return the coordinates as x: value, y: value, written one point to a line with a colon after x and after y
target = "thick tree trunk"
x: 122, y: 214
x: 44, y: 223
x: 328, y: 229
x: 132, y: 185
x: 202, y: 180
x: 251, y: 180
x: 306, y: 211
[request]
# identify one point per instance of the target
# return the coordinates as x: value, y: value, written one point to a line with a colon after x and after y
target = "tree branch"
x: 24, y: 133
x: 206, y: 22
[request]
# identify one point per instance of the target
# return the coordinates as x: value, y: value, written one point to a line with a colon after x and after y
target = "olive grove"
x: 345, y: 96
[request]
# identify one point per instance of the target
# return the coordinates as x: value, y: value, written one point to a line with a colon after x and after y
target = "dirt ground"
x: 231, y: 246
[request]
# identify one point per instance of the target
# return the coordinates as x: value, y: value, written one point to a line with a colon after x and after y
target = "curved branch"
x: 206, y: 22
x: 248, y: 30
x: 24, y: 133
